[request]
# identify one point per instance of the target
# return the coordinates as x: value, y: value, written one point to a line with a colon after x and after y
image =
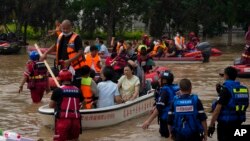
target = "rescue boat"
x: 9, y: 47
x: 243, y: 70
x: 43, y: 50
x: 178, y: 60
x: 154, y: 75
x: 214, y: 52
x: 107, y: 116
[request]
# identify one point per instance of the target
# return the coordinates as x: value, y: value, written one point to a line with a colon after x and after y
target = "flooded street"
x: 17, y: 112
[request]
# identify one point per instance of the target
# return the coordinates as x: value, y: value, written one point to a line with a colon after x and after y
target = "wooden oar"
x: 47, y: 65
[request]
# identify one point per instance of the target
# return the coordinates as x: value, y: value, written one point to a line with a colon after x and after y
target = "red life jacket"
x: 70, y: 104
x: 38, y: 76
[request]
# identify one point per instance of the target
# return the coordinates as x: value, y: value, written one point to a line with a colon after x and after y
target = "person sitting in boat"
x: 166, y: 95
x: 145, y: 61
x: 103, y: 49
x: 88, y: 88
x: 118, y: 63
x: 245, y: 57
x: 172, y: 51
x: 191, y: 45
x: 86, y: 47
x: 146, y: 40
x: 93, y: 60
x: 129, y: 84
x: 121, y: 46
x: 107, y: 89
x: 36, y: 75
x: 130, y: 50
x: 66, y: 101
x: 159, y: 49
x: 179, y: 41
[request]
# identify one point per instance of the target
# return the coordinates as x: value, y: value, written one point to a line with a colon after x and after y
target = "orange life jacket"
x: 76, y: 64
x: 156, y: 48
x: 119, y: 46
x: 93, y: 61
x: 180, y: 41
x: 86, y: 92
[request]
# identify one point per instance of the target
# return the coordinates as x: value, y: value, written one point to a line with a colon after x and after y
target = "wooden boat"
x: 107, y: 116
x: 7, y: 48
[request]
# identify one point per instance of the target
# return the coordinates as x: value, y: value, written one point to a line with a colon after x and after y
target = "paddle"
x: 47, y: 65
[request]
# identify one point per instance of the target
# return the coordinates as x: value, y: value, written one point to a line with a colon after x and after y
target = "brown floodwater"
x: 19, y: 114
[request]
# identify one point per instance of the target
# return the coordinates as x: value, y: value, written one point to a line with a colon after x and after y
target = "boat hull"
x: 243, y: 70
x: 101, y: 117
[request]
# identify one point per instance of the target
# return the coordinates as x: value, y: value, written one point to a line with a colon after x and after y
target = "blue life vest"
x: 185, y: 111
x: 171, y: 91
x: 235, y: 110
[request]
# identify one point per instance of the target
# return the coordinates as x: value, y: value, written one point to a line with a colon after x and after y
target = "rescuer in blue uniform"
x: 230, y: 108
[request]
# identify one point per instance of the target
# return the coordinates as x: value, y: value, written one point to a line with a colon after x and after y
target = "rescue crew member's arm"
x: 157, y: 111
x: 203, y: 118
x: 25, y: 78
x: 146, y: 123
x: 171, y: 120
x: 55, y: 97
x: 224, y: 97
x: 79, y: 49
x: 26, y: 74
x: 51, y: 49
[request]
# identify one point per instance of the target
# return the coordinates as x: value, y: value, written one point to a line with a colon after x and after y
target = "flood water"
x: 17, y: 112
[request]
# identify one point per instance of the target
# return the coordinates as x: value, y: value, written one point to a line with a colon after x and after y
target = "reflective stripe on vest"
x: 93, y: 61
x: 70, y: 104
x: 235, y: 110
x: 76, y: 64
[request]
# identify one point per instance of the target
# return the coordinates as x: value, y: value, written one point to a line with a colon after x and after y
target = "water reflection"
x: 19, y: 114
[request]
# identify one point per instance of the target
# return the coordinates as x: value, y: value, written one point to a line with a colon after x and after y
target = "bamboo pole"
x: 47, y: 65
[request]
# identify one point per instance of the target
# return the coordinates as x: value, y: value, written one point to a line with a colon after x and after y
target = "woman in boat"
x: 129, y: 84
x: 108, y: 90
x: 172, y: 50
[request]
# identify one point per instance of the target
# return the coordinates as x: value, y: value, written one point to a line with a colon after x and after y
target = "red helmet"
x: 65, y: 75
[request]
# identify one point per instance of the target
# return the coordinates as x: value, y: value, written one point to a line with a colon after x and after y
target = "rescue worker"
x: 231, y: 106
x: 121, y: 46
x: 166, y: 95
x: 36, y: 76
x: 159, y: 49
x: 88, y: 88
x: 205, y: 49
x: 67, y: 102
x: 68, y: 49
x: 179, y: 41
x: 93, y: 60
x: 57, y: 31
x: 186, y: 117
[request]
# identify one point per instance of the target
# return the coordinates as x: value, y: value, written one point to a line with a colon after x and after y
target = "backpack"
x: 186, y: 122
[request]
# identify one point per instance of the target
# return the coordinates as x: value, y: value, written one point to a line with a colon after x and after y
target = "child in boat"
x: 36, y: 76
x: 67, y: 102
x: 88, y: 88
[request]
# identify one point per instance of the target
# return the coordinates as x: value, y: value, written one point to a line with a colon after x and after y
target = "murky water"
x: 17, y: 112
